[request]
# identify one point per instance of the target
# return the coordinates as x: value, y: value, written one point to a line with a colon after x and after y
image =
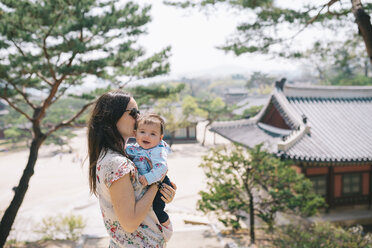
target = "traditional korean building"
x: 235, y: 95
x: 325, y: 130
x: 183, y: 134
x: 187, y: 134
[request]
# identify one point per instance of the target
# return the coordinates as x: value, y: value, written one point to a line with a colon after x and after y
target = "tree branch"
x: 68, y: 122
x: 125, y: 83
x: 53, y: 91
x: 68, y: 65
x: 88, y: 39
x: 14, y: 106
x: 18, y: 48
x: 48, y: 100
x: 38, y: 73
x: 345, y: 12
x: 52, y: 72
x: 23, y: 95
x: 81, y: 35
x: 58, y: 59
x: 329, y: 4
x: 21, y: 51
x: 44, y: 78
x: 56, y: 98
x: 61, y: 94
x: 259, y: 211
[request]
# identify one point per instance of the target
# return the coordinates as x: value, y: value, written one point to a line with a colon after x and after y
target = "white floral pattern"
x: 111, y: 167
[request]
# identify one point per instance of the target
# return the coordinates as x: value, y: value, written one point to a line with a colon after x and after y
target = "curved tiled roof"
x: 341, y: 92
x: 341, y: 129
x: 338, y: 126
x: 249, y: 135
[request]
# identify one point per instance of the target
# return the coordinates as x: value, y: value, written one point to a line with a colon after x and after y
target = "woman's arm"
x: 129, y: 212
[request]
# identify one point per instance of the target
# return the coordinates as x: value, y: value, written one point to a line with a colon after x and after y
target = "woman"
x: 125, y: 203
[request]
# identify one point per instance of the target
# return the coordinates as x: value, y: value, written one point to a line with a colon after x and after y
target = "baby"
x: 149, y: 133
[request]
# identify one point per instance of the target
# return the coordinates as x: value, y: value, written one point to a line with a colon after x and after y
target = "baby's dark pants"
x: 158, y: 204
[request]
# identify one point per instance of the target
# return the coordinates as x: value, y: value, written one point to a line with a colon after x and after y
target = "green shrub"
x: 320, y: 235
x: 73, y: 226
x: 68, y: 227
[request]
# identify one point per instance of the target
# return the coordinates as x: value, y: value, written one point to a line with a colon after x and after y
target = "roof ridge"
x: 329, y: 87
x: 234, y: 123
x: 293, y: 138
x: 332, y: 98
x: 291, y: 114
x: 334, y: 92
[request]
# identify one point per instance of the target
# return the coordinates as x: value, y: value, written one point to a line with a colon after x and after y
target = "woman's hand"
x: 168, y: 192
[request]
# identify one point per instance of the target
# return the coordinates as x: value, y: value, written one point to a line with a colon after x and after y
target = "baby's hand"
x: 143, y: 180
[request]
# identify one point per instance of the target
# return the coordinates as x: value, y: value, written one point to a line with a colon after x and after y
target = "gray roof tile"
x: 249, y: 135
x: 340, y: 121
x: 341, y: 129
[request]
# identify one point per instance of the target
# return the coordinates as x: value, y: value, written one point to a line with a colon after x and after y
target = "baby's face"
x: 148, y: 135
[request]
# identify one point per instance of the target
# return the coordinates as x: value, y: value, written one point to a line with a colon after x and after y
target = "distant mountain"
x: 218, y: 71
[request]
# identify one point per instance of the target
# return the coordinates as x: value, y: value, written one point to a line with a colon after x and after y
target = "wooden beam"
x: 330, y: 188
x: 370, y: 188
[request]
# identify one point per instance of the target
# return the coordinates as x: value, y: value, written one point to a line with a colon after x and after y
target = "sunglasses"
x: 133, y: 112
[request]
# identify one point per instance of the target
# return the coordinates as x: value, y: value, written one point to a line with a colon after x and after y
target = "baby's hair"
x: 150, y: 118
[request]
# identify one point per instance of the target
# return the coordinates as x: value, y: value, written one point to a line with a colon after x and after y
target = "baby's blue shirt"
x: 157, y: 155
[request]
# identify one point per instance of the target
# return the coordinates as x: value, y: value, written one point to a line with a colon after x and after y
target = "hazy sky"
x: 194, y: 35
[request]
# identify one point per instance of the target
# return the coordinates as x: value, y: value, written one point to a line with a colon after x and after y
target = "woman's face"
x: 125, y: 124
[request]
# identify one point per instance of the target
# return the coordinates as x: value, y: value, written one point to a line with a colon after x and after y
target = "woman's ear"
x: 161, y: 136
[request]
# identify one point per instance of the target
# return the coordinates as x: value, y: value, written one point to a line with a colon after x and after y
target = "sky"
x: 194, y: 35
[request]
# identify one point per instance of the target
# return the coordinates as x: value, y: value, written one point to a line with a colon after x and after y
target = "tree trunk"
x: 364, y: 25
x: 366, y: 64
x: 172, y: 139
x: 251, y: 217
x: 20, y: 192
x: 320, y: 72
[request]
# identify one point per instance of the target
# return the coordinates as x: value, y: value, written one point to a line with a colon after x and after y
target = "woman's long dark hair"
x: 102, y: 131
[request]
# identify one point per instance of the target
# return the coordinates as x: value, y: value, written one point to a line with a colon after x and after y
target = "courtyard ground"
x: 60, y: 187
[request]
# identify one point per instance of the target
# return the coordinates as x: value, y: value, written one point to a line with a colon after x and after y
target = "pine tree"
x: 272, y: 27
x: 48, y: 47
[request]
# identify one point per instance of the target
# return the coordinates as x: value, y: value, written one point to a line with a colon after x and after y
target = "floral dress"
x: 150, y: 234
